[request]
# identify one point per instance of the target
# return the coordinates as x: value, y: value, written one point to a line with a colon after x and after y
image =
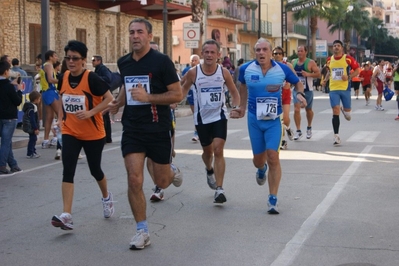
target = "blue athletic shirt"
x: 264, y: 91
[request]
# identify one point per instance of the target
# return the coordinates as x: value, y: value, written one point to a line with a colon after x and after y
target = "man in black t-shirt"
x: 150, y: 84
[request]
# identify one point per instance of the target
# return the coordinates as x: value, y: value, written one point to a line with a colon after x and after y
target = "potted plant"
x: 241, y: 2
x: 219, y: 11
x: 253, y: 5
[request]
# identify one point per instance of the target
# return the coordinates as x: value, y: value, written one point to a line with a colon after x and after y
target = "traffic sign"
x: 297, y: 7
x: 191, y: 44
x: 321, y: 48
x: 191, y: 31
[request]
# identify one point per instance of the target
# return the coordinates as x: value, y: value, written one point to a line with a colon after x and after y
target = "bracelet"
x: 301, y: 93
x: 235, y: 107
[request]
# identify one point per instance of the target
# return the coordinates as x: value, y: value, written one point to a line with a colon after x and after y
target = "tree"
x: 375, y: 33
x: 197, y: 8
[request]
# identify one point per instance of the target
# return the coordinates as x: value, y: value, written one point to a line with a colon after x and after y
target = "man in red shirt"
x: 365, y: 77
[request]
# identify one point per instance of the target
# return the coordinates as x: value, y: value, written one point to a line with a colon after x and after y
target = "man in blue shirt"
x: 261, y: 84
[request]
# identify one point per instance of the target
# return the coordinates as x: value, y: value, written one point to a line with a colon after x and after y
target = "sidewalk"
x: 20, y: 139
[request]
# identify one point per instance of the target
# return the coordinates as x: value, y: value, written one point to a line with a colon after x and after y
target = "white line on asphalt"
x: 293, y: 247
x: 364, y: 136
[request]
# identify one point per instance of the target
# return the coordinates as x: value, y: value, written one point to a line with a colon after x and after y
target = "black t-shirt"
x: 98, y: 86
x: 160, y: 71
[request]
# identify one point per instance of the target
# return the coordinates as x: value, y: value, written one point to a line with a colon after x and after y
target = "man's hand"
x: 301, y: 100
x: 345, y: 77
x: 113, y: 107
x: 237, y: 113
x: 139, y: 94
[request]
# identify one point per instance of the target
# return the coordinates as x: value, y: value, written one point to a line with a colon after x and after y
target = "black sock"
x: 335, y: 123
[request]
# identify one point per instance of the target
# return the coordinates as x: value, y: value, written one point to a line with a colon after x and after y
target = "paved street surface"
x: 338, y: 205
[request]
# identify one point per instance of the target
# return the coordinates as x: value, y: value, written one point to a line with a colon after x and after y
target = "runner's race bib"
x: 132, y: 82
x: 337, y: 73
x: 73, y: 103
x: 211, y: 98
x: 266, y: 108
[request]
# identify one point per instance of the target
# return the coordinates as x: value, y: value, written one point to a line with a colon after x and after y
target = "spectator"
x: 17, y: 68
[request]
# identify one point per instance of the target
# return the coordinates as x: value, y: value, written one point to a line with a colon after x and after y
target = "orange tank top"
x: 77, y: 99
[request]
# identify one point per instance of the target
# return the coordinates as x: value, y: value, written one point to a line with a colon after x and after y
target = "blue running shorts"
x: 49, y: 96
x: 343, y: 96
x: 264, y: 134
x: 308, y: 97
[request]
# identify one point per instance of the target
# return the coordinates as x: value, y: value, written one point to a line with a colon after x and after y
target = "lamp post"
x: 348, y: 9
x: 165, y: 27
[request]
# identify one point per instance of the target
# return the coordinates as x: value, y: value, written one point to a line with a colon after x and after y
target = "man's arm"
x: 49, y: 70
x: 105, y: 74
x: 315, y: 71
x: 231, y: 87
x: 173, y: 95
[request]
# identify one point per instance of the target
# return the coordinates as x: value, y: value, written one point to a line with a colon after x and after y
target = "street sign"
x: 367, y: 53
x: 297, y: 7
x: 191, y: 31
x: 321, y: 48
x: 191, y: 44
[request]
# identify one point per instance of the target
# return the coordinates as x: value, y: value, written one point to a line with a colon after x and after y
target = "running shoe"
x: 80, y: 156
x: 108, y: 206
x: 337, y: 140
x: 57, y: 154
x: 33, y: 156
x: 16, y: 169
x: 45, y: 144
x: 347, y: 115
x: 381, y: 108
x: 309, y: 133
x: 210, y: 178
x: 261, y: 176
x: 64, y: 221
x: 53, y: 142
x: 298, y: 135
x: 140, y: 240
x: 290, y: 133
x: 397, y: 118
x: 367, y: 103
x: 272, y: 204
x: 195, y: 137
x: 157, y: 195
x: 219, y: 196
x: 283, y: 145
x: 178, y: 177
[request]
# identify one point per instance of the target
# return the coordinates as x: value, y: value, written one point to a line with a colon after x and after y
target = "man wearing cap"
x: 340, y: 65
x: 365, y: 78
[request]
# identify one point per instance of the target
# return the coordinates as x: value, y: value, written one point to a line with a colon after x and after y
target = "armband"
x: 301, y: 93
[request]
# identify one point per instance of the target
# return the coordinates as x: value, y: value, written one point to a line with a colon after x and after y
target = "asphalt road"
x: 338, y: 205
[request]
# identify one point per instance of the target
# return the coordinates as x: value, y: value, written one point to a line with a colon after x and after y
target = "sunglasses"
x: 93, y: 60
x: 74, y: 59
x: 277, y: 53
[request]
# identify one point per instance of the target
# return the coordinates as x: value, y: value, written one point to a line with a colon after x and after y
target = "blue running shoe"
x: 261, y: 176
x: 272, y: 204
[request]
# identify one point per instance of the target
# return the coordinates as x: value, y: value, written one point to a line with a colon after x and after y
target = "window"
x: 387, y: 19
x: 246, y: 53
x: 35, y: 41
x: 81, y: 35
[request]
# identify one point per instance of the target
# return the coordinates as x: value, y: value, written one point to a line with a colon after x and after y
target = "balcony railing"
x: 265, y: 27
x: 231, y: 10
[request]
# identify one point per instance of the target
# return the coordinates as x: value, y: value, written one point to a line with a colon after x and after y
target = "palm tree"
x: 375, y: 33
x: 197, y: 8
x: 315, y: 12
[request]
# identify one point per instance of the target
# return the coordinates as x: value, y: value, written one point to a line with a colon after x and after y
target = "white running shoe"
x: 178, y: 178
x: 157, y: 195
x: 64, y: 221
x: 195, y: 137
x: 80, y: 156
x: 45, y: 144
x: 108, y: 206
x: 298, y: 135
x: 309, y: 133
x: 347, y: 115
x: 140, y: 240
x: 219, y: 196
x: 53, y: 142
x: 210, y: 178
x: 381, y: 108
x: 290, y: 133
x: 337, y: 140
x: 283, y: 145
x: 57, y: 154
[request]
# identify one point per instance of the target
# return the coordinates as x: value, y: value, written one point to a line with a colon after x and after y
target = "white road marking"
x: 364, y: 136
x: 294, y: 246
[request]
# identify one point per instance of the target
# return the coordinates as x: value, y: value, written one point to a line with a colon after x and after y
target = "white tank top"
x: 209, y: 97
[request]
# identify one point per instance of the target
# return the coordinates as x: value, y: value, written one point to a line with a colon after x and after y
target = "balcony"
x: 230, y: 11
x: 252, y: 28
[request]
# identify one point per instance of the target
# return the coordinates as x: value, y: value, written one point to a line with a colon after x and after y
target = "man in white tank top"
x: 210, y: 112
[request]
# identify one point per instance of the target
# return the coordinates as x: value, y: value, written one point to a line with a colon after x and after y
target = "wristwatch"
x: 301, y: 93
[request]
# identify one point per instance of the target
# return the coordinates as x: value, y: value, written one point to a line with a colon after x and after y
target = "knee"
x: 135, y: 183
